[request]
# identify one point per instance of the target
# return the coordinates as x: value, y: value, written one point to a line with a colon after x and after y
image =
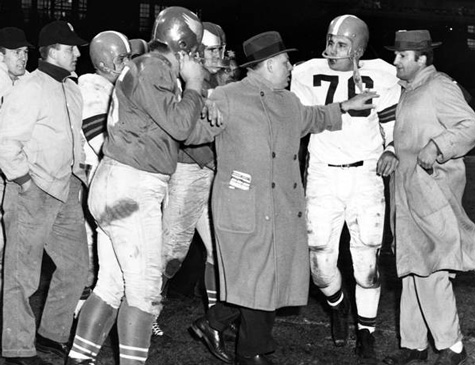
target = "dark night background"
x: 302, y: 23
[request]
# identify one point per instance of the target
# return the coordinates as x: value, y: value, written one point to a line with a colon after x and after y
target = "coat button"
x: 299, y: 214
x: 295, y: 157
x: 273, y: 154
x: 295, y: 185
x: 273, y: 185
x: 262, y: 93
x: 267, y: 218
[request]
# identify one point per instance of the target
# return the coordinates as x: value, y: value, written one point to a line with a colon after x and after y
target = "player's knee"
x: 369, y: 279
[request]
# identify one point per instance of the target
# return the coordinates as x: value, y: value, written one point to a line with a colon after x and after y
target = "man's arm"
x: 458, y: 119
x: 18, y: 116
x: 154, y: 90
x: 328, y: 117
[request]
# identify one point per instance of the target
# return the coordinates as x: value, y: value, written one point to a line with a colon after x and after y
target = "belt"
x: 354, y: 164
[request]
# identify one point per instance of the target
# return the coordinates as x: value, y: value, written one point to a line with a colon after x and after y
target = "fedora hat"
x: 413, y: 40
x: 263, y: 46
x: 13, y: 38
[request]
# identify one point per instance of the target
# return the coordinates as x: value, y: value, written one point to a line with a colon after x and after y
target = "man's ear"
x: 422, y: 60
x: 2, y: 57
x: 52, y: 52
x: 102, y: 67
x: 269, y: 64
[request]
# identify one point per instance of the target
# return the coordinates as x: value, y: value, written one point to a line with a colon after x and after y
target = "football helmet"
x: 138, y: 46
x: 213, y: 46
x: 214, y: 37
x: 352, y: 28
x: 179, y: 28
x: 108, y: 50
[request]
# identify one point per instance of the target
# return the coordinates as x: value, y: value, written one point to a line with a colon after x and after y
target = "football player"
x: 109, y: 52
x: 345, y: 174
x: 148, y: 115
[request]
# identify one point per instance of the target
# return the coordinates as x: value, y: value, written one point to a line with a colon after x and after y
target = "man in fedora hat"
x: 434, y: 238
x: 344, y: 175
x: 41, y: 154
x: 258, y: 200
x: 13, y: 59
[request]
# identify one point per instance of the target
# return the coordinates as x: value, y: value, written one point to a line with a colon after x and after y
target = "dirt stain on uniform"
x: 121, y: 209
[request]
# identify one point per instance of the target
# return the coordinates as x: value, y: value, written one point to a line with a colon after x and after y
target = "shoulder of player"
x: 381, y: 71
x: 307, y: 66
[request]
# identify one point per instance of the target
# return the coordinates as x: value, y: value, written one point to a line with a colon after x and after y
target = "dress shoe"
x: 449, y: 357
x: 252, y: 360
x: 48, y: 346
x: 32, y: 360
x: 406, y: 356
x: 212, y: 338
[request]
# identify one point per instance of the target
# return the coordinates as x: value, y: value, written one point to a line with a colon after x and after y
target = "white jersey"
x: 364, y: 133
x: 96, y: 92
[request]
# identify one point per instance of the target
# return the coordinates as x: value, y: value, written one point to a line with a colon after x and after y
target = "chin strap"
x: 356, y: 72
x: 357, y: 76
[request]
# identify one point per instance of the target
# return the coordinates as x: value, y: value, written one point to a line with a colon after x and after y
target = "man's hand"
x: 427, y: 156
x: 192, y: 72
x: 387, y: 163
x: 358, y: 102
x: 211, y: 112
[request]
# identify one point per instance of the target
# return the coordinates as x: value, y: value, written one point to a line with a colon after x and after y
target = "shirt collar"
x: 420, y: 78
x: 56, y: 72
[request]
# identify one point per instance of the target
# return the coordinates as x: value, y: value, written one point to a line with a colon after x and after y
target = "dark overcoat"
x: 258, y: 204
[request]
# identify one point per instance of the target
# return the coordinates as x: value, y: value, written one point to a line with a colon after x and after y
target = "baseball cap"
x: 13, y: 38
x: 60, y: 32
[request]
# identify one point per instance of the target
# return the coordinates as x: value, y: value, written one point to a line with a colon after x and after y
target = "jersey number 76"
x: 334, y: 80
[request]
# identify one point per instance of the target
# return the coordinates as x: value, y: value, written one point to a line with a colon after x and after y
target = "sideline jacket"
x: 40, y: 131
x: 6, y: 83
x: 432, y: 231
x: 145, y: 127
x: 258, y: 199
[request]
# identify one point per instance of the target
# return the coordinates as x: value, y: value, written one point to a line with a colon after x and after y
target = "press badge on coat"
x: 240, y: 180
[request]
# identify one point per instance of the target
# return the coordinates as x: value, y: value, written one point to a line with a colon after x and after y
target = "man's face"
x: 339, y: 46
x: 15, y: 59
x: 281, y: 68
x: 212, y: 57
x: 406, y: 64
x: 66, y: 57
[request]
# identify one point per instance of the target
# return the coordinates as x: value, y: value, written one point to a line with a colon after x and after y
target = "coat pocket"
x: 235, y: 209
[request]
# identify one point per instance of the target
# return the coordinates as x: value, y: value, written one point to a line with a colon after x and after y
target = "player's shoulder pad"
x: 303, y: 69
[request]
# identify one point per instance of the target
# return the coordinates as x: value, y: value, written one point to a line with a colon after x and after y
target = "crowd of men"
x: 123, y: 165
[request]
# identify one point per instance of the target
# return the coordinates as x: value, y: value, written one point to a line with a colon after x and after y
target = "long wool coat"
x: 432, y: 230
x: 260, y: 225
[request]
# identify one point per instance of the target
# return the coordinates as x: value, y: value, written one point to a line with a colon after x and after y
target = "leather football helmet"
x: 352, y: 28
x: 109, y: 49
x: 214, y: 37
x: 138, y: 46
x: 179, y: 28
